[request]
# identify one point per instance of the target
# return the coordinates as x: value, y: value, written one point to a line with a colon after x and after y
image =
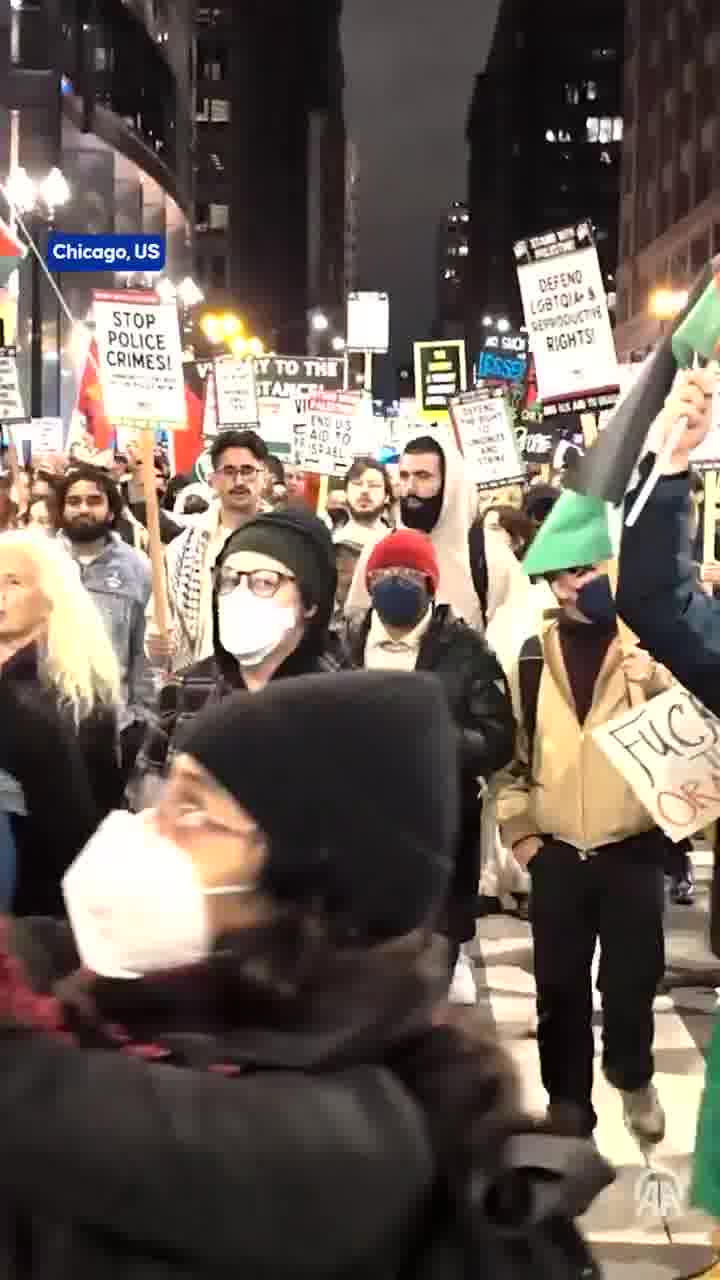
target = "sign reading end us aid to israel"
x: 140, y: 359
x: 566, y: 314
x: 668, y: 752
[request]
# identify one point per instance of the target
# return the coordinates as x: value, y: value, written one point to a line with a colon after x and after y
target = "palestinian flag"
x: 90, y: 402
x: 12, y: 253
x: 579, y: 531
x: 607, y: 469
x: 189, y: 444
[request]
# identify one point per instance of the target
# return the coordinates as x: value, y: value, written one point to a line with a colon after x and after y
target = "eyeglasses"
x: 243, y: 473
x: 264, y: 583
x: 397, y: 571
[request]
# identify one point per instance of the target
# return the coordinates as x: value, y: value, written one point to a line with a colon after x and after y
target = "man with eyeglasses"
x: 272, y: 593
x: 239, y: 473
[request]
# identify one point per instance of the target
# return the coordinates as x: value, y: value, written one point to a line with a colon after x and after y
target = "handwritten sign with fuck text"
x: 668, y: 751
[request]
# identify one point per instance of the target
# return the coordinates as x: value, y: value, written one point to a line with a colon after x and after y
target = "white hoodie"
x: 450, y: 539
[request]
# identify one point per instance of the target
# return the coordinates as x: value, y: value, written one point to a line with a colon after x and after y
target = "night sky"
x: 410, y: 68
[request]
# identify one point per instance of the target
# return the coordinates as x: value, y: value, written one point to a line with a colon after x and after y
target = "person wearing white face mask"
x: 274, y: 586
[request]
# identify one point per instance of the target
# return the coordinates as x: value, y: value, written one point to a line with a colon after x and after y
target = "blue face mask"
x: 399, y: 602
x: 596, y: 602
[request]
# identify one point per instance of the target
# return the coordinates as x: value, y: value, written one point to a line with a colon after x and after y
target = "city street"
x: 625, y: 1231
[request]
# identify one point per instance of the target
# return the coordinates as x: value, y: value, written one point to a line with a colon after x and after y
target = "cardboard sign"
x: 440, y: 375
x: 326, y: 445
x: 277, y: 424
x: 668, y: 751
x: 485, y: 432
x: 235, y: 395
x: 566, y: 313
x: 11, y: 405
x: 140, y: 359
x: 301, y: 376
x: 368, y: 322
x: 46, y: 435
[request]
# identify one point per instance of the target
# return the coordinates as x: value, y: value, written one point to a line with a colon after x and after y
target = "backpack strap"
x: 530, y: 669
x: 478, y: 566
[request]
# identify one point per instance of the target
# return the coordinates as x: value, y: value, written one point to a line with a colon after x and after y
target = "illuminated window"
x: 605, y: 132
x: 591, y: 90
x: 617, y: 131
x: 219, y: 217
x: 464, y: 250
x: 605, y: 157
x: 592, y: 126
x: 572, y: 94
x: 550, y: 136
x: 220, y: 111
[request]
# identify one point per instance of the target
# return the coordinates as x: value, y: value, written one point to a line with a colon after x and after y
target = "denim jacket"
x: 120, y: 582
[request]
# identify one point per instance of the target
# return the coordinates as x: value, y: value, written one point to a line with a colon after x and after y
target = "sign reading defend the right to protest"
x: 566, y: 314
x: 140, y: 359
x: 668, y: 751
x: 484, y: 425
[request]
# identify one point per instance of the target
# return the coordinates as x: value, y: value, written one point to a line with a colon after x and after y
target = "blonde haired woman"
x: 59, y: 685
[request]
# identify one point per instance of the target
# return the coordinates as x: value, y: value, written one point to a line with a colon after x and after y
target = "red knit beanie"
x: 405, y: 549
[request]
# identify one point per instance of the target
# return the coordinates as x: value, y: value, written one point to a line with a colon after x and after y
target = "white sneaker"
x: 644, y: 1116
x: 462, y: 987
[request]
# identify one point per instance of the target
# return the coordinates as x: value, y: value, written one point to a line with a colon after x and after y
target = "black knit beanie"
x: 299, y: 540
x: 368, y: 830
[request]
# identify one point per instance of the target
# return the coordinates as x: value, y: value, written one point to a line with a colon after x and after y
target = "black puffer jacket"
x: 252, y: 1147
x: 481, y: 706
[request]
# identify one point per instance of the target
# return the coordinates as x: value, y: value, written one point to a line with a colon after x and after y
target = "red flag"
x: 90, y: 402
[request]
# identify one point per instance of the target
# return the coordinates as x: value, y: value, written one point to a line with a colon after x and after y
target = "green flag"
x: 699, y: 333
x: 579, y: 531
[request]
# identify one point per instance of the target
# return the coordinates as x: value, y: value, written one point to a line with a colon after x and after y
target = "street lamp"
x: 338, y: 343
x: 165, y: 290
x: 189, y: 293
x: 320, y: 322
x: 39, y: 202
x: 503, y: 324
x: 664, y: 304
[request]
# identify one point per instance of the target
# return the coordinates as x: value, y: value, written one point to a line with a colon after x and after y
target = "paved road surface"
x: 623, y: 1237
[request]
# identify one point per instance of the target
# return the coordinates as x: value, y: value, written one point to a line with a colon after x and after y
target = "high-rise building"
x: 101, y: 92
x: 352, y: 217
x: 670, y: 223
x: 270, y: 163
x: 545, y: 133
x: 451, y: 271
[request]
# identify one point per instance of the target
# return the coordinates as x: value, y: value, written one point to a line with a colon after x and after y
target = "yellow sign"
x: 440, y: 374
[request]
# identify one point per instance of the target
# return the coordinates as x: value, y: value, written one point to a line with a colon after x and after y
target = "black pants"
x: 615, y: 895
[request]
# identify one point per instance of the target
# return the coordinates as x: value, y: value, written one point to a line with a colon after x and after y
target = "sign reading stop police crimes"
x: 566, y: 314
x: 668, y: 751
x: 440, y: 375
x: 140, y: 359
x: 326, y: 445
x: 235, y: 392
x: 485, y: 431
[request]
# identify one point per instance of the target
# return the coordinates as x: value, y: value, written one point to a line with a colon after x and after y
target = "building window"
x: 604, y: 54
x: 464, y: 250
x: 604, y: 129
x: 219, y: 217
x: 617, y: 130
x: 592, y: 127
x: 220, y: 111
x: 605, y: 157
x: 591, y: 90
x: 572, y: 94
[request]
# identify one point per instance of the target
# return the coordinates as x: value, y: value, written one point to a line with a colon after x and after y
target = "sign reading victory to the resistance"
x: 326, y: 445
x: 484, y: 426
x: 11, y: 405
x: 567, y: 315
x: 440, y: 374
x: 140, y: 358
x: 235, y: 392
x: 300, y: 376
x: 668, y: 751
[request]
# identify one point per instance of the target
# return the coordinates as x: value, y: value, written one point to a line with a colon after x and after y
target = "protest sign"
x: 209, y: 413
x: 140, y: 359
x: 277, y: 424
x: 485, y: 433
x: 368, y: 322
x: 440, y: 375
x: 668, y: 752
x: 235, y: 392
x: 504, y: 358
x: 567, y: 315
x: 11, y: 405
x: 301, y: 376
x: 46, y: 435
x: 326, y: 445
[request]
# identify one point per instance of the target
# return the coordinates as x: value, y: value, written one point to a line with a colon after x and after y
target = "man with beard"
x: 368, y: 494
x: 119, y: 580
x: 438, y: 497
x: 239, y: 475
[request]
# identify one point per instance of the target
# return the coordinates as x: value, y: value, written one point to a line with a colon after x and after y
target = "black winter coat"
x: 69, y: 777
x: 481, y: 705
x: 310, y: 1161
